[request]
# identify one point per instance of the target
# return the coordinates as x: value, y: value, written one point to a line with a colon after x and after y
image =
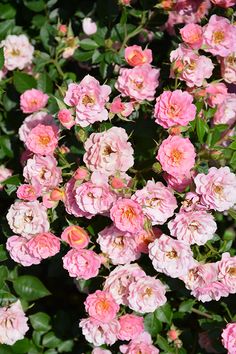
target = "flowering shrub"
x: 117, y: 184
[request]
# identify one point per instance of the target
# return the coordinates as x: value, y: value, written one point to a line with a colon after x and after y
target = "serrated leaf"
x: 152, y: 324
x: 30, y: 288
x: 88, y: 44
x: 164, y: 313
x: 1, y: 58
x: 186, y: 306
x: 23, y: 81
x: 7, y: 11
x: 50, y: 340
x: 66, y: 347
x: 40, y: 322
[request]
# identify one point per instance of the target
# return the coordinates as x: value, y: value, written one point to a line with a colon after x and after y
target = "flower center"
x: 44, y: 140
x: 218, y: 189
x: 129, y: 213
x: 108, y: 150
x: 232, y: 271
x: 176, y: 155
x: 15, y: 52
x: 193, y: 226
x: 148, y: 291
x: 218, y: 37
x: 103, y: 305
x: 172, y: 254
x: 88, y: 100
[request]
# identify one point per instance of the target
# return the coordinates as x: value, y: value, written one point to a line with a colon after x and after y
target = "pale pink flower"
x: 127, y: 215
x: 100, y: 351
x: 27, y: 218
x: 219, y: 36
x: 32, y: 121
x: 99, y: 333
x: 4, y: 174
x: 228, y: 68
x: 101, y: 306
x: 224, y: 3
x: 66, y: 119
x: 123, y: 109
x: 217, y: 93
x: 227, y: 272
x: 13, y: 323
x: 138, y: 347
x: 33, y: 100
x: 120, y: 278
x: 28, y: 192
x: 136, y: 56
x: 192, y: 202
x: 81, y: 174
x: 42, y: 139
x: 82, y: 264
x: 217, y: 189
x: 109, y: 151
x: 18, y: 52
x: 171, y: 257
x: 178, y: 182
x: 89, y: 26
x: 176, y: 155
x: 226, y: 112
x: 192, y: 35
x: 43, y: 245
x: 146, y: 295
x: 139, y: 83
x: 157, y: 201
x: 119, y: 246
x: 174, y: 108
x: 75, y: 236
x: 16, y: 246
x: 194, y: 227
x: 131, y: 326
x: 211, y: 291
x: 200, y: 275
x: 228, y: 338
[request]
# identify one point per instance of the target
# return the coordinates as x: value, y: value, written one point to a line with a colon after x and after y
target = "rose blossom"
x: 82, y: 264
x: 90, y: 98
x: 224, y: 3
x: 89, y: 26
x: 136, y: 56
x: 192, y: 35
x: 226, y: 112
x: 227, y: 272
x: 13, y: 323
x: 200, y: 275
x: 27, y: 218
x: 27, y: 192
x: 228, y: 337
x: 194, y: 227
x: 171, y: 257
x: 16, y: 246
x: 43, y: 245
x: 32, y: 121
x: 145, y: 237
x: 157, y: 201
x: 176, y: 155
x: 178, y: 182
x: 100, y: 351
x: 219, y: 36
x: 4, y: 174
x: 228, y: 68
x: 99, y: 333
x: 192, y: 202
x: 139, y: 346
x: 75, y: 236
x: 217, y: 189
x: 119, y: 246
x: 66, y: 119
x: 217, y: 93
x: 127, y: 215
x: 123, y: 109
x: 42, y: 139
x: 32, y: 101
x: 139, y: 83
x: 174, y: 108
x: 131, y: 326
x: 18, y: 52
x: 146, y: 295
x: 211, y: 291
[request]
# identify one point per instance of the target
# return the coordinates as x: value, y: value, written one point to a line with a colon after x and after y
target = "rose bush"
x: 117, y: 176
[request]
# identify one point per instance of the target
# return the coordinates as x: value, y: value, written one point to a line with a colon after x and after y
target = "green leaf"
x: 50, y: 340
x: 40, y: 321
x: 232, y: 145
x: 30, y: 288
x: 88, y: 44
x: 5, y: 146
x: 152, y: 324
x: 232, y: 213
x: 66, y: 347
x: 164, y: 345
x: 7, y: 11
x: 83, y: 56
x: 23, y: 81
x: 186, y: 306
x: 61, y: 104
x: 202, y: 128
x: 164, y: 313
x: 22, y: 346
x: 6, y: 298
x: 6, y: 27
x: 35, y: 5
x: 3, y: 253
x: 13, y: 180
x: 5, y: 349
x: 1, y: 58
x: 45, y: 83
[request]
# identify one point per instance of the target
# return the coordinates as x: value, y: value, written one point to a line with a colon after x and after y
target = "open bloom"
x: 192, y: 35
x: 131, y: 326
x: 226, y: 111
x: 228, y: 68
x: 75, y: 236
x: 135, y: 55
x: 140, y: 344
x: 17, y: 248
x: 227, y: 272
x: 42, y: 139
x: 228, y: 338
x: 32, y: 101
x: 27, y: 192
x: 32, y: 121
x: 217, y: 93
x: 43, y: 245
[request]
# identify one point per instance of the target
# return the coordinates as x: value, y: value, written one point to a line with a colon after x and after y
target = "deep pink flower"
x: 224, y: 3
x: 42, y: 139
x: 75, y: 236
x: 33, y: 100
x: 131, y: 326
x: 27, y: 192
x: 124, y: 109
x: 43, y: 245
x: 228, y: 338
x: 192, y: 35
x: 136, y: 56
x: 66, y: 119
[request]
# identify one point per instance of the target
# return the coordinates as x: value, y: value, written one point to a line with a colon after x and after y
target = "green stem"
x: 134, y: 33
x: 200, y: 313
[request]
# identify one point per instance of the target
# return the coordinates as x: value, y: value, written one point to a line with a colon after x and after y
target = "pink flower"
x: 42, y: 172
x: 171, y: 257
x: 18, y: 52
x: 48, y: 202
x: 157, y: 201
x: 120, y: 247
x: 217, y: 93
x: 43, y: 245
x: 217, y: 189
x: 82, y: 264
x: 131, y: 326
x: 138, y: 347
x: 109, y: 151
x: 100, y: 351
x: 4, y: 174
x: 174, y: 108
x: 66, y: 119
x: 32, y: 121
x: 228, y: 338
x: 226, y: 112
x: 146, y: 295
x: 139, y: 83
x: 211, y: 291
x: 42, y: 139
x: 192, y: 202
x: 99, y: 333
x: 16, y: 246
x: 27, y: 192
x: 228, y: 68
x: 81, y: 174
x: 219, y: 36
x: 27, y: 218
x: 124, y: 109
x: 200, y: 275
x: 178, y: 182
x: 127, y: 215
x: 89, y: 26
x: 176, y: 155
x: 90, y: 98
x: 32, y: 101
x: 136, y: 56
x: 75, y: 236
x: 224, y: 3
x: 13, y: 323
x: 125, y: 2
x: 227, y: 272
x: 120, y: 278
x: 192, y: 35
x: 144, y: 238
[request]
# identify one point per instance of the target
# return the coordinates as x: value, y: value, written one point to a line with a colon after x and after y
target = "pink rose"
x: 176, y: 155
x: 131, y: 326
x: 144, y: 238
x: 32, y: 121
x: 27, y: 218
x: 226, y: 112
x: 75, y: 236
x: 192, y: 35
x: 100, y: 351
x: 228, y: 68
x: 16, y: 246
x: 123, y: 109
x: 217, y: 189
x: 89, y: 26
x: 200, y: 275
x: 136, y: 56
x: 42, y: 139
x: 13, y: 323
x: 228, y: 338
x: 192, y: 202
x: 217, y: 93
x: 109, y: 151
x: 43, y: 245
x: 174, y: 108
x: 133, y: 348
x: 66, y: 119
x: 211, y: 291
x: 139, y: 83
x: 178, y: 182
x: 227, y: 272
x: 82, y: 264
x: 32, y: 101
x: 4, y: 174
x: 224, y: 3
x: 28, y: 192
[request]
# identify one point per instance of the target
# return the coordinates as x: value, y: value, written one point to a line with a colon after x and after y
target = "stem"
x: 134, y: 33
x: 200, y: 313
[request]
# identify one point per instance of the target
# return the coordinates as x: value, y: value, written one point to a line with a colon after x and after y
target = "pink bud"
x: 57, y: 194
x: 89, y: 26
x: 116, y: 183
x: 81, y: 173
x: 66, y: 118
x: 62, y: 29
